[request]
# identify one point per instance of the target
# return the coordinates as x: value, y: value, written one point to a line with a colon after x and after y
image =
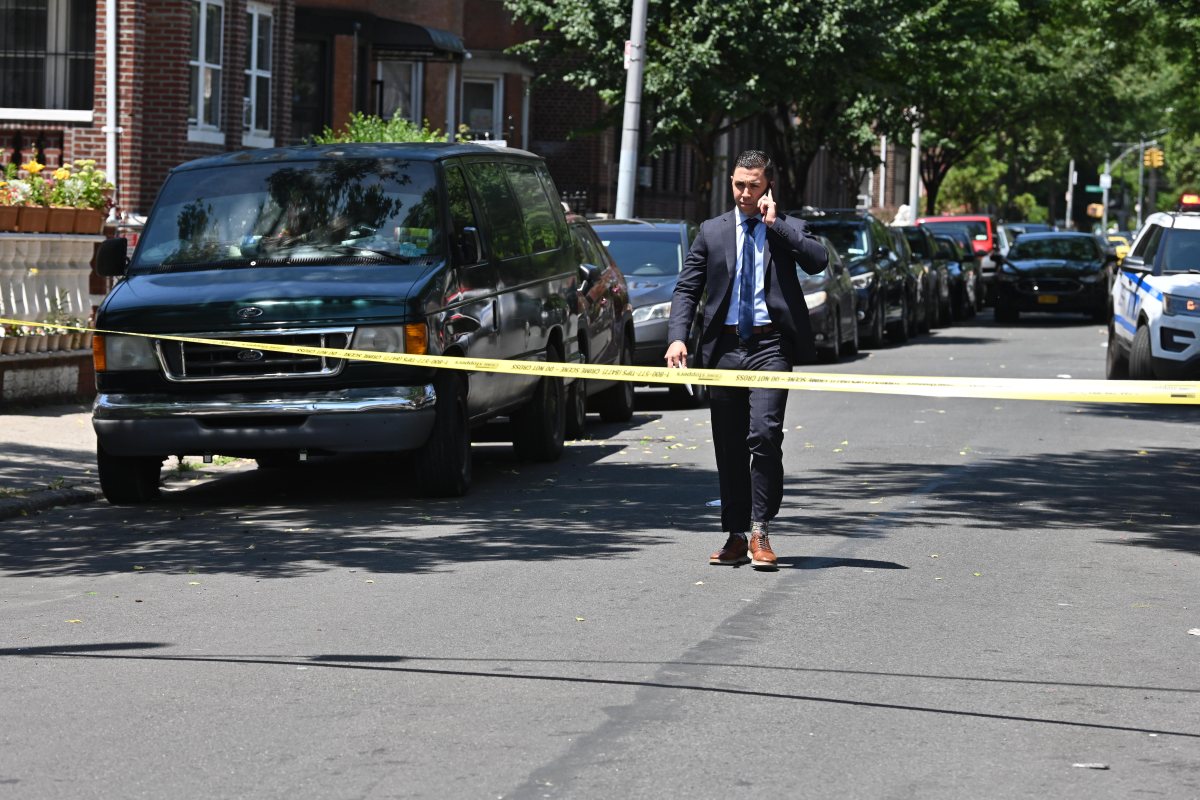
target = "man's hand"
x: 766, y: 207
x: 677, y: 355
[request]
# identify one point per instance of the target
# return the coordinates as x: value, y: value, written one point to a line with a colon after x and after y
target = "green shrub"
x: 371, y: 128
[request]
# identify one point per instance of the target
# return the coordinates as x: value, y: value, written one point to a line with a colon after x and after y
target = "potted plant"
x: 86, y: 189
x: 33, y: 193
x: 8, y: 344
x: 8, y: 203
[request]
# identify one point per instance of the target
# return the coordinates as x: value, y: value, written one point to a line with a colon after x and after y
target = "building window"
x: 48, y: 56
x: 204, y: 65
x: 481, y: 107
x: 259, y: 31
x: 398, y: 89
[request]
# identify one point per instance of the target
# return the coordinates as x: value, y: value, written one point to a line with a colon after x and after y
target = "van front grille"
x: 195, y: 361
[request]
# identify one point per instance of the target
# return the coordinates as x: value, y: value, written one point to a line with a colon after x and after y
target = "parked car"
x: 916, y: 287
x: 936, y: 270
x: 1154, y: 328
x: 1057, y: 272
x: 1121, y: 243
x: 832, y: 310
x: 983, y: 235
x: 459, y: 251
x: 962, y: 269
x: 605, y: 332
x: 650, y: 253
x: 879, y: 279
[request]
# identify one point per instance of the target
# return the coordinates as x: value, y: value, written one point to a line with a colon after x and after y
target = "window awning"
x: 387, y: 36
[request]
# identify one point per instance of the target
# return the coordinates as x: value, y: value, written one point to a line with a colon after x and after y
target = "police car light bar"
x: 1189, y: 202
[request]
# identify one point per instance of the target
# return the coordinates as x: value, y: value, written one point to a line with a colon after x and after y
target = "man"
x: 755, y: 318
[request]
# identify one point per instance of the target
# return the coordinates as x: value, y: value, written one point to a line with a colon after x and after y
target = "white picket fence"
x: 41, y: 273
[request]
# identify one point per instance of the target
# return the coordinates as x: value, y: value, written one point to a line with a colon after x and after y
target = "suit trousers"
x: 747, y: 427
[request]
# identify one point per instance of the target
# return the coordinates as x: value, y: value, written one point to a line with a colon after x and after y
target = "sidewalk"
x: 47, y: 459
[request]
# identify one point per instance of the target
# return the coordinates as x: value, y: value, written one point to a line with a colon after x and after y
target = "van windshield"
x: 351, y: 211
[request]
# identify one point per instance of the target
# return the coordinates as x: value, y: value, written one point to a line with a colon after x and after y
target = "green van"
x: 448, y: 249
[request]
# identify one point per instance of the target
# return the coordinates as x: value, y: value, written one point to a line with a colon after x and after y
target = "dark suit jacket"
x: 711, y: 265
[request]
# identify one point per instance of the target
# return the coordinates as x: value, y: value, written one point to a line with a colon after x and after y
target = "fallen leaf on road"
x: 1091, y: 766
x: 1195, y: 631
x: 934, y: 555
x: 837, y: 449
x: 1142, y: 453
x: 368, y: 580
x: 875, y: 502
x: 139, y: 568
x: 74, y: 621
x: 977, y: 574
x: 580, y: 619
x: 699, y: 583
x: 846, y: 442
x: 193, y: 583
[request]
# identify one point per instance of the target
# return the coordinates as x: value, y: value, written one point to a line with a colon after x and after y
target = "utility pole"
x: 627, y: 172
x: 1141, y: 177
x: 1105, y: 185
x: 914, y: 173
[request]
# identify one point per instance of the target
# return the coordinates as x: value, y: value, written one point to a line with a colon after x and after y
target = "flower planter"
x: 53, y: 342
x: 32, y: 219
x: 60, y: 220
x: 89, y: 220
x: 8, y: 218
x: 22, y: 344
x: 8, y: 345
x: 40, y: 343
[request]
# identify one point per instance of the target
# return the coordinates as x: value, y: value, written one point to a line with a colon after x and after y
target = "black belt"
x: 757, y: 329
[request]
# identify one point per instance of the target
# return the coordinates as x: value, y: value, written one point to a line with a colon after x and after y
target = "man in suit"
x: 755, y: 318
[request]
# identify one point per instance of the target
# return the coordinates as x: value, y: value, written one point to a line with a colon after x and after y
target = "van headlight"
x: 116, y: 353
x: 411, y: 338
x: 655, y: 311
x: 1184, y: 306
x: 862, y: 280
x: 815, y: 299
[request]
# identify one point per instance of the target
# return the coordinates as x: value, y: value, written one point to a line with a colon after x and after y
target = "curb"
x: 33, y: 502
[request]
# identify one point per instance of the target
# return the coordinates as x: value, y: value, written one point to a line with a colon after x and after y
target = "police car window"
x: 1147, y: 246
x: 1181, y: 251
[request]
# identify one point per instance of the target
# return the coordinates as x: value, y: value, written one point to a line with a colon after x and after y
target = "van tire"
x: 539, y: 427
x: 615, y: 403
x: 128, y: 480
x: 443, y: 463
x: 1140, y: 366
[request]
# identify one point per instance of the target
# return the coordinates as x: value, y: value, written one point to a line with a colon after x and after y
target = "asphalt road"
x: 976, y: 598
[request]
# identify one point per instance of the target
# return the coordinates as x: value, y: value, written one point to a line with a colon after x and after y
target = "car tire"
x: 927, y: 313
x: 878, y: 333
x: 540, y: 426
x: 443, y: 463
x: 128, y: 480
x: 1141, y: 368
x: 850, y: 347
x: 615, y: 403
x: 899, y: 330
x: 577, y: 409
x: 1006, y: 314
x: 833, y: 353
x: 1116, y: 363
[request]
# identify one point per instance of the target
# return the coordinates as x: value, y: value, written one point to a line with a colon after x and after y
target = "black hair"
x: 756, y: 159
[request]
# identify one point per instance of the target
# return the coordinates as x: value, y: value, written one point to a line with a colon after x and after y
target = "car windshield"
x: 1073, y: 248
x: 1181, y: 251
x: 644, y: 253
x: 848, y: 238
x: 974, y: 229
x: 267, y: 215
x: 918, y: 243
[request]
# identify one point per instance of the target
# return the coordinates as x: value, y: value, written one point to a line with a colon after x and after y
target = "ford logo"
x: 249, y: 312
x: 250, y: 355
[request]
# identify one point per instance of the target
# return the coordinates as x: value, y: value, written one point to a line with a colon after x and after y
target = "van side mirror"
x: 470, y: 246
x: 589, y: 274
x: 111, y: 257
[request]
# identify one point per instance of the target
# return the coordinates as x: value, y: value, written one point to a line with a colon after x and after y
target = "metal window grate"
x: 196, y: 362
x: 47, y: 54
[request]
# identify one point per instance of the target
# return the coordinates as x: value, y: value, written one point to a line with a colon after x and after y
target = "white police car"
x: 1155, y: 326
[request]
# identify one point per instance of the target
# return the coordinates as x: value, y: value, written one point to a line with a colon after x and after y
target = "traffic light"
x: 1153, y: 157
x: 1095, y: 210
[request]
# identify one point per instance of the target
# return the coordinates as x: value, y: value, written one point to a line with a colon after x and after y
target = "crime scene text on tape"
x: 1046, y: 389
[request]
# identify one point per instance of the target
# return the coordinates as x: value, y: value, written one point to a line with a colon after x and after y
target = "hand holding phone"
x: 766, y: 207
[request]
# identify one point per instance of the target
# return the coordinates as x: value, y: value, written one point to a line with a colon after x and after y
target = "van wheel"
x: 1140, y: 366
x: 539, y: 426
x: 128, y: 480
x: 615, y: 404
x: 577, y: 409
x: 1116, y: 366
x: 443, y: 463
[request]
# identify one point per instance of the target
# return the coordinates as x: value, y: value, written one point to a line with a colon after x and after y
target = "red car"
x: 981, y: 229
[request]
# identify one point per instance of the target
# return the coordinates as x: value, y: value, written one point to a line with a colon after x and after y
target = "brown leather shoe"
x: 761, y: 554
x: 732, y: 554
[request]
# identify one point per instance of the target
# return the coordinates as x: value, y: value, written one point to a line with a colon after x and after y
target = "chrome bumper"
x: 345, y: 401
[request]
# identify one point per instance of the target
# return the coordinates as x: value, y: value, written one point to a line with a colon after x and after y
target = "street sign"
x: 1091, y: 187
x: 1105, y: 180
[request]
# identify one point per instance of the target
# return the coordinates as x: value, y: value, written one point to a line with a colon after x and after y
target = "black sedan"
x: 936, y: 270
x: 832, y: 308
x: 964, y: 272
x: 1057, y: 272
x: 605, y: 331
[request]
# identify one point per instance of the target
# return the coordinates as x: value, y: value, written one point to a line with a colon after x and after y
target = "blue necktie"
x: 746, y: 285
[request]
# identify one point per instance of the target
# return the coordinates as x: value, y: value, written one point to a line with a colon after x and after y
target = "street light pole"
x: 627, y: 171
x: 1141, y: 177
x: 1070, y: 194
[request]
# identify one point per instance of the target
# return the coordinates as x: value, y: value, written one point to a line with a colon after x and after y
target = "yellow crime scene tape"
x: 1046, y: 389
